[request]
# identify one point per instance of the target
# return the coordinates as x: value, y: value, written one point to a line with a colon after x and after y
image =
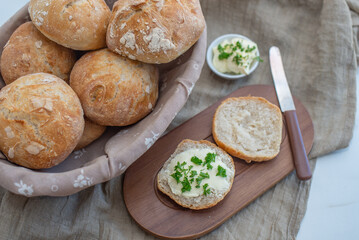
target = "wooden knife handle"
x: 296, y: 141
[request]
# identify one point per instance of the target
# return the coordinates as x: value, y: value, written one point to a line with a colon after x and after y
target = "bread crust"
x: 113, y: 90
x: 197, y: 203
x: 235, y: 152
x: 92, y: 131
x: 75, y: 24
x: 41, y: 121
x: 29, y: 51
x: 154, y: 31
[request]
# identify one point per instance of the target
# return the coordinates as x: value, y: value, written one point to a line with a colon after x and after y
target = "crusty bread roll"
x: 92, y: 131
x: 154, y: 31
x: 41, y: 120
x: 249, y: 128
x: 113, y: 90
x: 29, y: 51
x: 218, y: 186
x: 76, y: 24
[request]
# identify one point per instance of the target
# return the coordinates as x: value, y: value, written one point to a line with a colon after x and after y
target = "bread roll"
x: 41, y: 120
x: 218, y: 185
x: 28, y: 51
x: 76, y: 24
x: 249, y: 128
x: 154, y: 31
x: 92, y: 131
x: 113, y: 90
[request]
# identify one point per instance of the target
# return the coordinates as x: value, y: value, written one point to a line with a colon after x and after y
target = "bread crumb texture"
x: 249, y: 128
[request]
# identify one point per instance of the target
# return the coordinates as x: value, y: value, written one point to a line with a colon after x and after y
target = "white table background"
x: 333, y: 205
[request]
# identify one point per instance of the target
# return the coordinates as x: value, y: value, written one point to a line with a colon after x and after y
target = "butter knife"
x: 287, y: 106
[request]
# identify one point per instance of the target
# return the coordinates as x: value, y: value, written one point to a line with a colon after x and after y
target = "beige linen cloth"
x: 317, y: 39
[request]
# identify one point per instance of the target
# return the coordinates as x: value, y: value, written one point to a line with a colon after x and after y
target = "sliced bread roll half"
x: 249, y: 128
x: 198, y: 175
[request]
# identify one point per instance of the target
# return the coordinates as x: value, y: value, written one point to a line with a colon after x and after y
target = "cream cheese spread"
x: 213, y: 181
x: 235, y: 56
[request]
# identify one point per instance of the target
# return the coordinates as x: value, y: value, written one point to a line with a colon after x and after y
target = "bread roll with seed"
x: 76, y: 24
x: 41, y: 121
x: 92, y: 131
x: 113, y: 90
x: 29, y: 51
x: 201, y: 201
x: 154, y: 31
x: 249, y: 128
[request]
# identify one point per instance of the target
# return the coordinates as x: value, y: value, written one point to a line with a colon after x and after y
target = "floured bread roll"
x: 76, y: 24
x: 92, y: 131
x: 154, y: 31
x: 114, y: 90
x: 29, y: 51
x: 249, y: 128
x: 41, y: 120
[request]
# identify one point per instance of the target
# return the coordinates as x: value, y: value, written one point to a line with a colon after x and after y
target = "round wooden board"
x: 162, y: 217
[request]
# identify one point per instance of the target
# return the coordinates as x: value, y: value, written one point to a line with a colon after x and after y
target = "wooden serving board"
x: 162, y: 217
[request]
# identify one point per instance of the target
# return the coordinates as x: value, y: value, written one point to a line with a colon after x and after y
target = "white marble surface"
x: 333, y: 206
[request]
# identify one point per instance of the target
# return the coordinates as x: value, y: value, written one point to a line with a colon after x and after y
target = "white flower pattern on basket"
x: 82, y: 181
x: 24, y: 189
x: 54, y: 188
x: 150, y: 141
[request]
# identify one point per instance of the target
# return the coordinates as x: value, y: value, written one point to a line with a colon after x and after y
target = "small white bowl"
x: 210, y: 57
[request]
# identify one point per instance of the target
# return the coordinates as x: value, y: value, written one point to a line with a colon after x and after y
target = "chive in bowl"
x: 229, y: 76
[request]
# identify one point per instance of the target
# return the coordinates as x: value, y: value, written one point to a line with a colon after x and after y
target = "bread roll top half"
x: 114, y: 90
x: 76, y: 24
x: 29, y: 51
x: 154, y: 31
x: 41, y: 121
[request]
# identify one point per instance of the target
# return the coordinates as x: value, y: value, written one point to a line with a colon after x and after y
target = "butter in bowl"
x: 233, y: 56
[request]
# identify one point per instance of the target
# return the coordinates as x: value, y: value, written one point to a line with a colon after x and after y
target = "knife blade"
x: 288, y: 108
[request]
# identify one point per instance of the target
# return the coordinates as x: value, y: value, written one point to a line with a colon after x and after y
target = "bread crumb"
x: 34, y: 148
x: 122, y: 26
x: 48, y: 105
x: 37, y: 102
x: 38, y: 44
x: 70, y: 17
x: 25, y: 57
x: 159, y: 4
x: 131, y: 57
x: 11, y: 153
x: 9, y: 132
